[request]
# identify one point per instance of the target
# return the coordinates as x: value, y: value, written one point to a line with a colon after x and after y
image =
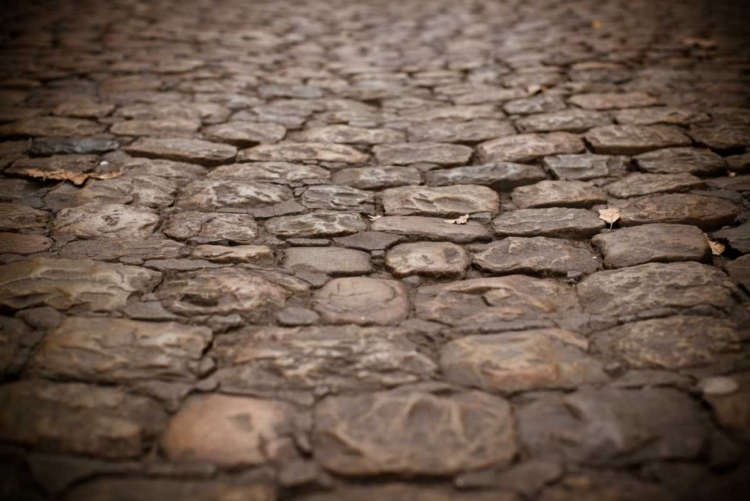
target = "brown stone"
x: 732, y: 411
x: 634, y: 139
x: 112, y: 249
x: 347, y: 134
x: 406, y: 492
x: 450, y: 201
x: 660, y: 115
x: 553, y: 222
x: 433, y: 259
x: 680, y: 161
x: 51, y: 126
x: 737, y: 237
x: 707, y: 213
x: 500, y: 176
x: 211, y: 226
x: 183, y: 150
x: 563, y: 121
x: 106, y: 221
x: 236, y: 254
x: 362, y: 301
x: 173, y: 127
x: 303, y: 152
x: 330, y: 260
x: 16, y: 243
x: 243, y: 134
x: 338, y: 198
x: 21, y: 217
x: 316, y: 224
x: 412, y: 153
x: 584, y: 167
x: 527, y: 147
x: 537, y: 255
x: 159, y: 489
x: 459, y: 132
x: 431, y: 228
x: 558, y: 194
x: 374, y: 178
x: 636, y: 185
x: 739, y: 271
x: 212, y: 194
x: 613, y: 101
x: 273, y: 172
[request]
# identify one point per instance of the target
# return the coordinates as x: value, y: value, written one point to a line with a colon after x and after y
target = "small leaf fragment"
x: 717, y: 248
x: 609, y: 215
x: 459, y: 220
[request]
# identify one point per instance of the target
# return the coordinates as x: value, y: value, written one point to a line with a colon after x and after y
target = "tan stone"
x: 436, y: 259
x: 362, y: 301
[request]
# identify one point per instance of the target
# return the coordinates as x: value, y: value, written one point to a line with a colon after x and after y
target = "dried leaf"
x: 460, y: 220
x: 717, y: 248
x: 609, y: 215
x: 77, y: 178
x: 374, y: 218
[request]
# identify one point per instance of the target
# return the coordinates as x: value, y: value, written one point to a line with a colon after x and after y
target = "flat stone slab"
x: 537, y: 255
x: 66, y: 283
x: 412, y: 153
x: 259, y: 254
x: 117, y: 425
x: 389, y: 435
x: 105, y: 221
x: 527, y: 147
x: 584, y: 167
x: 496, y: 300
x: 303, y: 152
x: 707, y: 213
x: 211, y: 226
x: 362, y: 301
x: 737, y: 237
x: 346, y: 134
x: 273, y: 172
x: 376, y: 178
x: 212, y: 194
x: 139, y: 489
x: 228, y: 430
x: 681, y: 160
x: 51, y: 126
x: 369, y: 240
x: 459, y: 132
x: 406, y: 492
x: 553, y: 222
x: 161, y: 127
x: 183, y: 150
x: 636, y: 185
x: 316, y: 224
x: 521, y: 361
x: 17, y: 243
x: 722, y: 136
x: 148, y: 191
x: 243, y: 134
x: 650, y: 424
x: 558, y: 194
x: 654, y: 287
x: 609, y: 101
x: 563, y: 121
x: 634, y: 139
x: 17, y: 340
x: 116, y: 350
x: 112, y: 249
x: 329, y: 260
x: 320, y: 359
x: 541, y: 103
x: 731, y: 410
x: 660, y: 115
x: 500, y: 176
x: 338, y: 198
x: 433, y: 259
x: 652, y: 243
x: 431, y: 228
x: 672, y: 343
x: 449, y: 201
x: 222, y: 291
x: 20, y: 217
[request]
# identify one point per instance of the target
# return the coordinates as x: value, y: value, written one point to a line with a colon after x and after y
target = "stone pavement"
x: 329, y: 250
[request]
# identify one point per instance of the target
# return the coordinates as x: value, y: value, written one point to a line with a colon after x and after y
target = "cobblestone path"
x: 328, y: 250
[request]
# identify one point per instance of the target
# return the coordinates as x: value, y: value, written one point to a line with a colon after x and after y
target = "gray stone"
x: 634, y: 139
x: 21, y: 217
x: 212, y: 194
x: 660, y: 115
x: 112, y: 249
x: 369, y: 240
x: 737, y: 237
x: 72, y: 145
x: 105, y: 221
x: 541, y: 103
x: 459, y: 132
x: 412, y: 153
x: 537, y: 255
x: 431, y: 228
x: 375, y: 178
x: 183, y: 150
x: 273, y: 172
x: 161, y: 127
x: 608, y: 101
x: 295, y: 317
x: 731, y: 411
x: 303, y: 152
x: 500, y: 176
x: 362, y: 301
x: 347, y: 134
x: 563, y: 121
x: 338, y: 198
x: 434, y: 259
x: 681, y: 160
x: 211, y: 226
x: 558, y: 194
x: 527, y: 147
x: 445, y: 202
x: 584, y: 167
x: 721, y: 136
x: 739, y: 271
x: 553, y: 222
x: 244, y: 134
x: 329, y: 260
x: 316, y: 224
x: 638, y: 184
x: 707, y: 213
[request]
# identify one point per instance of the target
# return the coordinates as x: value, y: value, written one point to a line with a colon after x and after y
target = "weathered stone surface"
x: 21, y: 192
x: 72, y: 145
x: 431, y: 228
x: 16, y: 342
x: 638, y: 184
x: 65, y: 283
x: 613, y: 427
x: 736, y: 183
x: 406, y: 492
x: 610, y: 101
x: 105, y: 221
x: 338, y: 198
x: 149, y: 191
x: 521, y: 361
x: 527, y: 147
x: 584, y: 167
x: 211, y: 226
x: 541, y: 103
x: 672, y: 343
x: 654, y: 116
x: 167, y: 169
x: 16, y: 243
x: 738, y: 163
x: 433, y: 259
x: 652, y: 243
x: 488, y: 301
x: 634, y: 139
x: 68, y: 163
x: 500, y: 176
x: 369, y: 240
x: 459, y: 132
x: 721, y: 136
x: 739, y: 271
x: 237, y: 254
x: 412, y: 153
x: 738, y: 237
x: 387, y: 433
x: 733, y: 411
x: 171, y: 127
x: 117, y: 425
x: 228, y: 430
x: 316, y: 224
x: 458, y: 113
x: 553, y: 222
x: 112, y: 249
x: 212, y: 194
x: 320, y: 358
x: 362, y: 301
x: 330, y: 260
x: 537, y: 255
x: 707, y: 213
x: 681, y: 160
x: 303, y: 152
x: 375, y: 178
x: 50, y: 126
x: 607, y: 485
x: 21, y: 217
x: 137, y: 489
x: 273, y: 172
x: 347, y: 134
x: 563, y: 121
x: 222, y: 291
x: 245, y: 133
x: 183, y: 150
x: 445, y: 201
x: 117, y: 350
x: 655, y: 287
x: 558, y: 194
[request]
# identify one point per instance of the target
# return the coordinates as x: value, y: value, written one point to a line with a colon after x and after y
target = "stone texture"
x: 521, y: 361
x: 375, y: 178
x: 459, y: 132
x: 72, y: 145
x: 655, y: 287
x: 386, y: 432
x: 733, y: 411
x: 541, y: 103
x: 739, y: 271
x: 406, y: 492
x: 362, y: 301
x: 16, y: 243
x: 660, y: 115
x: 105, y: 221
x: 737, y: 237
x: 183, y: 150
x: 412, y: 153
x: 433, y: 259
x: 174, y: 127
x: 316, y: 224
x: 212, y: 194
x: 553, y: 222
x: 149, y: 191
x: 558, y: 194
x: 431, y: 228
x: 237, y: 254
x: 445, y: 202
x: 111, y: 249
x: 118, y: 425
x: 721, y: 137
x: 320, y: 358
x: 20, y: 217
x: 681, y: 160
x: 347, y: 134
x: 211, y: 226
x: 500, y: 176
x: 138, y: 489
x: 50, y: 126
x: 634, y: 139
x: 272, y: 172
x: 65, y: 283
x: 636, y: 185
x: 338, y: 198
x: 245, y: 133
x: 608, y: 101
x: 584, y: 167
x: 369, y: 240
x: 527, y: 147
x: 330, y: 260
x: 652, y: 243
x: 228, y: 430
x: 537, y: 255
x: 563, y: 121
x: 303, y: 152
x: 16, y: 342
x: 707, y: 213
